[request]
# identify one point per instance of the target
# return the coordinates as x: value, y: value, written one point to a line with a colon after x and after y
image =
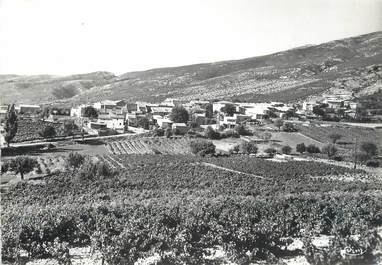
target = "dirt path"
x: 230, y: 170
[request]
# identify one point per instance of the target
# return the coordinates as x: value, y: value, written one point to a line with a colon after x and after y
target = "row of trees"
x: 88, y: 169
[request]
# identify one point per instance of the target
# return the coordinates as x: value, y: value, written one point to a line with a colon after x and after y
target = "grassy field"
x: 348, y: 133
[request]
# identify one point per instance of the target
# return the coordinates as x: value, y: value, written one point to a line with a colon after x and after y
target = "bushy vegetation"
x: 210, y: 133
x: 202, y: 147
x: 179, y: 114
x: 47, y: 132
x: 286, y: 149
x: 301, y: 148
x: 91, y: 170
x: 330, y: 150
x: 289, y: 127
x: 74, y: 160
x: 313, y: 149
x: 248, y: 147
x: 270, y: 151
x: 21, y: 165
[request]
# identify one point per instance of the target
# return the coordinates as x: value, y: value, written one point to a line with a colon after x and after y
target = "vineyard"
x: 181, y: 207
x: 166, y: 146
x: 28, y: 129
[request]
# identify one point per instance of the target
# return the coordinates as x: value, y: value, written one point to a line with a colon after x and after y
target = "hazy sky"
x: 77, y: 36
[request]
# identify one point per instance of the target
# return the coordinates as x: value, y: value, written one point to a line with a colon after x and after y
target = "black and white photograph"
x: 191, y: 132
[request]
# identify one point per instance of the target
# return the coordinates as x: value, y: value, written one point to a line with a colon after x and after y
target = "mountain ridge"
x: 297, y: 73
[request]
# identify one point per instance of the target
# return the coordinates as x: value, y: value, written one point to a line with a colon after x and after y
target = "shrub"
x: 4, y: 167
x: 202, y: 147
x: 241, y: 130
x: 91, y: 112
x: 338, y: 158
x: 212, y: 134
x: 231, y: 133
x: 330, y: 150
x: 248, y: 147
x: 74, y: 160
x: 312, y: 149
x: 236, y: 148
x: 286, y: 149
x: 168, y: 133
x: 301, y: 148
x: 229, y: 109
x: 270, y: 151
x: 279, y: 123
x: 369, y: 148
x: 363, y: 156
x: 372, y: 163
x: 158, y: 132
x: 289, y: 127
x: 39, y: 170
x: 92, y: 171
x: 47, y: 132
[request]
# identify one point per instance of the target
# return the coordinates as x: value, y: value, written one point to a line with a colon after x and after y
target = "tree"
x: 91, y: 171
x: 335, y: 137
x: 179, y: 114
x: 286, y: 149
x: 312, y: 149
x: 270, y: 151
x: 211, y: 133
x: 74, y: 160
x: 68, y: 128
x: 202, y: 147
x: 288, y: 127
x: 248, y: 147
x: 47, y: 132
x: 11, y: 124
x: 23, y: 165
x: 168, y: 133
x: 45, y: 113
x: 229, y: 109
x: 279, y: 123
x: 301, y: 148
x: 241, y: 130
x: 143, y: 122
x: 330, y: 150
x: 236, y: 148
x: 369, y: 148
x: 91, y: 112
x: 209, y: 111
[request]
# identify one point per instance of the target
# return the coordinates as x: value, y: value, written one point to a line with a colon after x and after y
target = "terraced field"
x: 150, y: 146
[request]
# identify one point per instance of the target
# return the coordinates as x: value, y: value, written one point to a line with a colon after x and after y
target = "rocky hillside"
x: 353, y: 64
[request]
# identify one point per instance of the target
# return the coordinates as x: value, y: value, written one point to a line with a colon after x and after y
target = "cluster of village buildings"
x: 119, y: 115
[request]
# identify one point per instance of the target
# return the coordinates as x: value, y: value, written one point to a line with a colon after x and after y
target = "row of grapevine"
x: 149, y: 146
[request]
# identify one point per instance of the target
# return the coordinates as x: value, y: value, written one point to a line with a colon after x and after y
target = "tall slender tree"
x: 10, y: 124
